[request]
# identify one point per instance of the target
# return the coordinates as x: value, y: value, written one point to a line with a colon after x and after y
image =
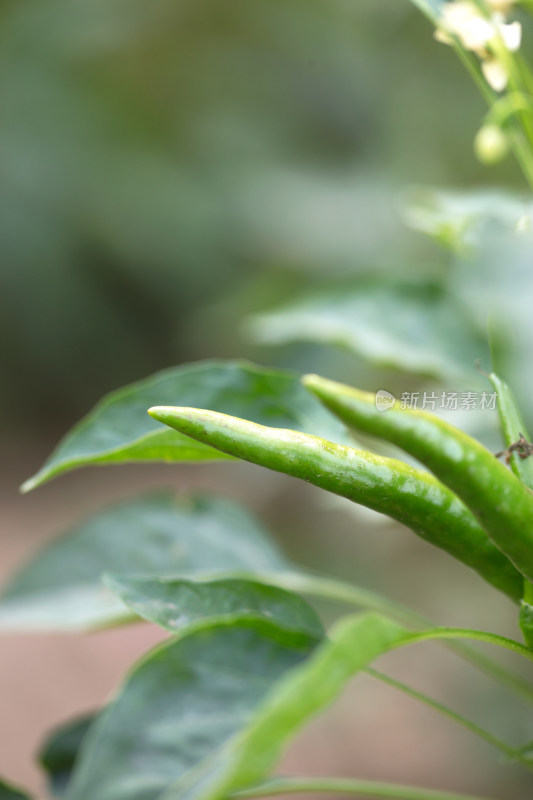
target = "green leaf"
x: 513, y: 427
x: 179, y: 705
x: 413, y: 327
x: 119, y: 430
x: 353, y: 595
x: 58, y: 754
x: 61, y: 587
x: 179, y: 605
x: 354, y: 643
x: 8, y: 792
x: 459, y: 219
x: 305, y: 691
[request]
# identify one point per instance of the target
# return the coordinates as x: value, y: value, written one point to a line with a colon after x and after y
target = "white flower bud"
x: 511, y: 35
x: 495, y: 74
x: 491, y: 144
x: 464, y: 20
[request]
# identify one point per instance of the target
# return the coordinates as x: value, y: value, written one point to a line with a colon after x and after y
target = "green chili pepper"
x: 411, y: 496
x: 499, y: 501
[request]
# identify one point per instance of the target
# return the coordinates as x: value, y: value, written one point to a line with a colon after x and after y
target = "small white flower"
x: 481, y: 35
x: 511, y: 35
x: 495, y: 74
x: 463, y: 19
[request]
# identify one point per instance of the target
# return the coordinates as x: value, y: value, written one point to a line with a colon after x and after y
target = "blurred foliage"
x: 157, y: 158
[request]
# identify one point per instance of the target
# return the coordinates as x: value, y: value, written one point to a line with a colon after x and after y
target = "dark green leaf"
x: 119, y: 429
x: 61, y: 587
x: 178, y: 604
x: 413, y: 327
x: 60, y: 750
x: 354, y: 643
x: 301, y: 694
x: 180, y: 705
x: 10, y: 793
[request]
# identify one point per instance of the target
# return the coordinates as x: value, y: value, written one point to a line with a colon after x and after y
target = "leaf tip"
x: 30, y: 484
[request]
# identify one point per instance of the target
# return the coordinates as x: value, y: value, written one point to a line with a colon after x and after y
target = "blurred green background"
x: 169, y: 168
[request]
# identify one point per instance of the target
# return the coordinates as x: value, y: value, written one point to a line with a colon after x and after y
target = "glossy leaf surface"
x: 119, y: 430
x: 513, y: 428
x: 353, y: 644
x: 178, y: 604
x: 181, y: 704
x: 61, y: 587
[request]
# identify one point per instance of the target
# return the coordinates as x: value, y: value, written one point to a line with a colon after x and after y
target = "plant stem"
x: 336, y: 590
x: 511, y: 752
x: 339, y: 591
x: 479, y: 636
x: 354, y: 787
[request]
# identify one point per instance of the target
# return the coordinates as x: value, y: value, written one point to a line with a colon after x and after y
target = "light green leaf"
x: 179, y: 605
x: 301, y: 694
x: 61, y: 588
x: 354, y: 644
x: 58, y: 754
x: 179, y: 705
x: 118, y: 429
x: 459, y: 219
x: 412, y: 327
x: 352, y: 595
x: 8, y: 792
x: 513, y: 427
